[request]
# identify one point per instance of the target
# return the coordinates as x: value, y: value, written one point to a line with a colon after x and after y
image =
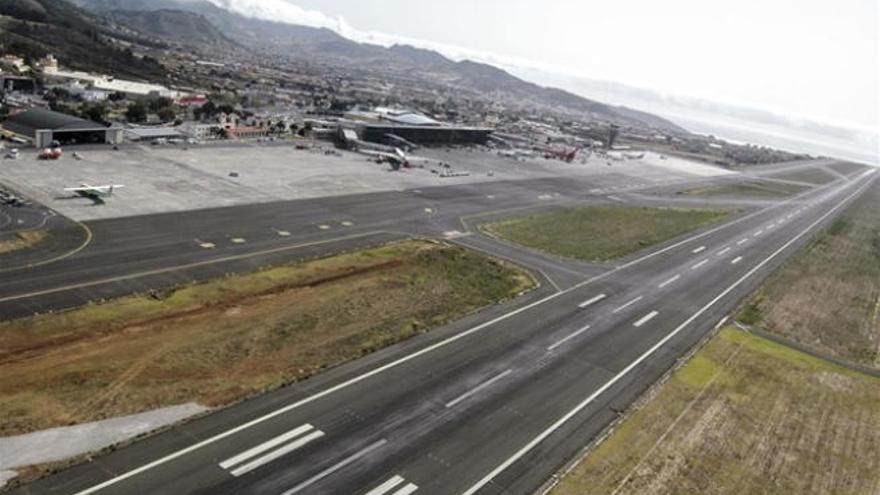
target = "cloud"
x: 284, y: 11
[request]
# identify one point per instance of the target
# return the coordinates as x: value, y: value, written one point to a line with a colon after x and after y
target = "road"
x: 491, y: 404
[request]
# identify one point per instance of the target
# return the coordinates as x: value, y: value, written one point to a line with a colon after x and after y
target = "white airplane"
x: 397, y: 159
x: 94, y: 192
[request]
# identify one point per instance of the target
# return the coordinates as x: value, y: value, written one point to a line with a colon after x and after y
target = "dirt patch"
x: 221, y: 341
x: 745, y: 415
x: 22, y: 240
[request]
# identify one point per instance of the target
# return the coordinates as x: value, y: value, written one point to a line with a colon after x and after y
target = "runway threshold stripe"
x: 592, y: 301
x: 387, y: 486
x: 275, y: 454
x: 477, y: 389
x: 336, y: 467
x: 259, y: 449
x: 407, y: 490
x: 569, y: 337
x: 645, y: 319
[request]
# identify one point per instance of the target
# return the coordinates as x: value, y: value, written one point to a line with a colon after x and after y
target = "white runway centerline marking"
x: 336, y: 467
x: 699, y: 265
x: 736, y: 260
x: 594, y: 300
x: 184, y: 451
x: 699, y: 250
x: 556, y: 425
x: 253, y: 458
x: 758, y: 233
x: 477, y: 389
x: 671, y: 280
x: 569, y: 337
x: 238, y: 240
x: 628, y: 304
x: 741, y: 242
x: 724, y: 251
x: 645, y: 319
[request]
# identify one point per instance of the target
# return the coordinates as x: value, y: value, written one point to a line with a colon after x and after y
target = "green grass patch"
x: 602, y: 233
x: 744, y: 415
x: 753, y: 189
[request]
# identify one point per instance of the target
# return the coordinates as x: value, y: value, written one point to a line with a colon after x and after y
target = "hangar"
x: 42, y: 127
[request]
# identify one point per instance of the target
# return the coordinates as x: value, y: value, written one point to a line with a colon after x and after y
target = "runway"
x: 491, y: 404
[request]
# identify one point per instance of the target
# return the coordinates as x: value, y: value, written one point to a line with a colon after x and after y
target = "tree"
x: 136, y: 112
x: 94, y: 112
x: 167, y: 114
x: 157, y: 104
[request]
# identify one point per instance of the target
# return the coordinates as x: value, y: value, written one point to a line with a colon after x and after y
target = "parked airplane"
x: 96, y: 193
x: 397, y: 159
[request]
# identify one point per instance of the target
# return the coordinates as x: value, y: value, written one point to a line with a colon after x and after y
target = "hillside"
x: 327, y: 47
x: 177, y: 25
x: 34, y: 28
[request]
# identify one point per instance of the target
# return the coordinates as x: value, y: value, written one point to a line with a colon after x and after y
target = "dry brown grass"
x: 828, y: 297
x: 221, y: 341
x: 22, y: 240
x: 745, y: 415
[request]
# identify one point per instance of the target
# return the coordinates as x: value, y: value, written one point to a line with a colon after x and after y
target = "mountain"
x: 325, y: 46
x: 178, y: 25
x: 34, y: 28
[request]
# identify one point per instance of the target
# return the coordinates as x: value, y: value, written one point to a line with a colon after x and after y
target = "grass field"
x: 602, y: 233
x: 815, y: 176
x: 744, y: 415
x: 759, y: 189
x: 828, y: 296
x: 22, y: 240
x: 221, y: 341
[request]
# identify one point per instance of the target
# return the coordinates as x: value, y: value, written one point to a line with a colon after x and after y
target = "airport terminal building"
x: 42, y: 127
x: 424, y: 134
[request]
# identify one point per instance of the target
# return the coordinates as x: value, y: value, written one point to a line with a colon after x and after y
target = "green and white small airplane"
x: 94, y: 192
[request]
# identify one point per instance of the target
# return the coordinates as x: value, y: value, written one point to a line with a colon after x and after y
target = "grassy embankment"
x: 602, y: 233
x: 759, y: 189
x: 828, y: 297
x: 220, y: 341
x: 22, y: 240
x: 744, y: 415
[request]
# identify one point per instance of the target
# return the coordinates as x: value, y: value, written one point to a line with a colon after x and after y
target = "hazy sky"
x: 811, y: 58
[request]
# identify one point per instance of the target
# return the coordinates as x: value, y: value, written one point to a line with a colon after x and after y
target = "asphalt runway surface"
x: 494, y: 403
